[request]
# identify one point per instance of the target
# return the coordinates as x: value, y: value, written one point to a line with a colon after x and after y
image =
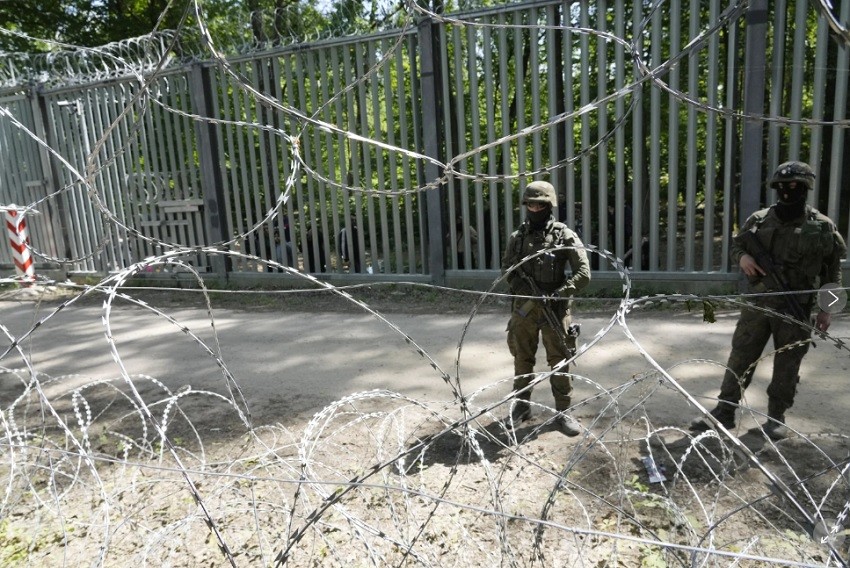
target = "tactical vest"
x: 548, y: 270
x: 798, y: 249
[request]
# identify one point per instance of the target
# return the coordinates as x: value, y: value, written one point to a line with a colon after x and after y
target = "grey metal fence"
x: 403, y: 154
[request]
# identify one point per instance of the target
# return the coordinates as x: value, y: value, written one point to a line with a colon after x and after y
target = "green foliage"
x: 87, y: 23
x: 652, y: 557
x: 17, y: 543
x: 708, y: 309
x: 92, y: 23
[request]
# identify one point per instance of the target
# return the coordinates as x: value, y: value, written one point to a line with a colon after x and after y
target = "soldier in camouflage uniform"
x: 543, y: 276
x: 806, y: 250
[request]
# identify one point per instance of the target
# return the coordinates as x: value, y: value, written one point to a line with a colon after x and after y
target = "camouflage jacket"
x: 807, y: 250
x: 548, y: 270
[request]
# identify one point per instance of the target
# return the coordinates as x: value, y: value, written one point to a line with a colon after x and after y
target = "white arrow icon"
x: 832, y: 298
x: 831, y: 293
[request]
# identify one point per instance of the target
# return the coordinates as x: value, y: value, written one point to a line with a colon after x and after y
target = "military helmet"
x: 540, y: 192
x: 800, y: 172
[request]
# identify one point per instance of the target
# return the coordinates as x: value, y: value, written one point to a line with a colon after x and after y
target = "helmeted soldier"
x: 804, y: 251
x: 541, y: 307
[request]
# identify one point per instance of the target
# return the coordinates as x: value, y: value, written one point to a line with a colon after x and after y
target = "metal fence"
x: 403, y: 155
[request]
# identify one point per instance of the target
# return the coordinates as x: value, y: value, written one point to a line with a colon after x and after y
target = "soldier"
x: 548, y: 316
x: 788, y: 246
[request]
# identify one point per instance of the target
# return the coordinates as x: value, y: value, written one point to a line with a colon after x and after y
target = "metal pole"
x: 215, y: 218
x: 754, y: 83
x: 430, y: 109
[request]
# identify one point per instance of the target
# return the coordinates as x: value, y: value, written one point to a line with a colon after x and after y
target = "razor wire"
x: 125, y: 465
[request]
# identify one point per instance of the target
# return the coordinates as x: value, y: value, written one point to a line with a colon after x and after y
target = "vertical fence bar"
x: 385, y: 125
x: 289, y: 97
x: 673, y: 140
x: 603, y: 236
x: 218, y: 102
x: 777, y: 86
x: 837, y: 160
x: 797, y: 79
x: 340, y: 195
x: 519, y: 97
x: 212, y: 186
x: 754, y: 82
x: 586, y: 186
x: 312, y: 139
x: 620, y: 213
x: 456, y: 198
x: 395, y: 109
x: 731, y: 138
x: 493, y: 246
x: 638, y: 144
x: 534, y: 76
x: 316, y: 243
x: 691, y: 144
x: 818, y: 95
x: 473, y: 46
x: 371, y: 88
x: 486, y: 206
x: 353, y: 177
x: 268, y: 172
x: 655, y: 148
x: 711, y: 142
x: 410, y: 133
x: 420, y: 252
x: 569, y: 125
x: 429, y: 77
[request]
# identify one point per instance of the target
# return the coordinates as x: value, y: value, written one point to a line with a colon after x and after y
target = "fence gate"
x: 28, y: 181
x: 145, y: 185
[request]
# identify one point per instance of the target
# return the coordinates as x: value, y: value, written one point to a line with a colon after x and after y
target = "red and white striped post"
x: 16, y: 226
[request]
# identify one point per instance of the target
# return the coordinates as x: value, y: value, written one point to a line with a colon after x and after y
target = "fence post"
x: 19, y: 243
x: 212, y: 188
x: 431, y: 126
x: 754, y: 82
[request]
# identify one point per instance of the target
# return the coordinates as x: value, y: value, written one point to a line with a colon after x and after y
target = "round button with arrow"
x: 832, y: 298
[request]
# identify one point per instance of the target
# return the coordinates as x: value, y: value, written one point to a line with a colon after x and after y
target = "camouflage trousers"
x: 752, y: 331
x: 524, y: 333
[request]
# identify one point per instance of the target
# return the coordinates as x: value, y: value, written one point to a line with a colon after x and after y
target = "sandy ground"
x: 289, y: 365
x: 284, y: 489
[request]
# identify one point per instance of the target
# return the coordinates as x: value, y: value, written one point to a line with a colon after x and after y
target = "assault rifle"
x: 765, y: 261
x: 551, y: 318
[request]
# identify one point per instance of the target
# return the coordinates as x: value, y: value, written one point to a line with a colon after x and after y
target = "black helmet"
x: 799, y: 172
x: 540, y: 192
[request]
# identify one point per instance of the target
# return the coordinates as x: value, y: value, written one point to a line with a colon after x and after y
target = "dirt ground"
x: 312, y: 429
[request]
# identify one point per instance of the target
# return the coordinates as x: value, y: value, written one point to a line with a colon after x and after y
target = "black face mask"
x: 792, y: 202
x: 537, y: 219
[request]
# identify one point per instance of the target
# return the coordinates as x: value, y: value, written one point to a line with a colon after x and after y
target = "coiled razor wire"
x: 111, y: 472
x: 123, y: 467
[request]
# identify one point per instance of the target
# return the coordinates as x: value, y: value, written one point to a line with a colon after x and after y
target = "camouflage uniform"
x: 808, y: 252
x: 528, y: 320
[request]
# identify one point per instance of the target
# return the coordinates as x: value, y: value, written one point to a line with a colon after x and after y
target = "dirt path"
x: 255, y: 397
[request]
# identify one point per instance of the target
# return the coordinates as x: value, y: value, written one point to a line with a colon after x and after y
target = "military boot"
x: 561, y: 389
x: 724, y: 413
x: 520, y: 412
x: 568, y: 425
x: 774, y: 428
